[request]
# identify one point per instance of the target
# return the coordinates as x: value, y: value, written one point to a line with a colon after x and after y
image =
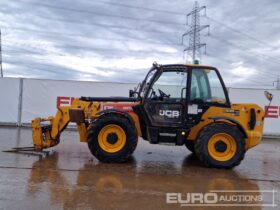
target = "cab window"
x: 206, y: 87
x: 169, y: 85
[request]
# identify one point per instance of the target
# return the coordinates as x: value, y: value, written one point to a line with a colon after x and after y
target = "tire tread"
x: 207, y: 132
x: 131, y: 139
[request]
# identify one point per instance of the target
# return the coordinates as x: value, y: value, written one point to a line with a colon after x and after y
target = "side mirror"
x: 268, y: 95
x: 131, y: 93
x: 134, y: 93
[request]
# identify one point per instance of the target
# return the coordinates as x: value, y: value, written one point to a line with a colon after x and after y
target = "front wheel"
x: 112, y: 139
x: 220, y: 145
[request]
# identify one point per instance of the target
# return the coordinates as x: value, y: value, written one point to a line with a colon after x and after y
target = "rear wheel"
x: 220, y: 145
x: 112, y: 139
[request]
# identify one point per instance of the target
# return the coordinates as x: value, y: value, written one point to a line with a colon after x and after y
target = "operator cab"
x: 174, y: 97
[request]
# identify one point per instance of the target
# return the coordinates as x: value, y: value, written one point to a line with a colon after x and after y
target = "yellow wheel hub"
x: 111, y: 138
x: 222, y: 147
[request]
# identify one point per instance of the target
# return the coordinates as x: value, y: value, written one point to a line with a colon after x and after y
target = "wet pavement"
x: 70, y: 178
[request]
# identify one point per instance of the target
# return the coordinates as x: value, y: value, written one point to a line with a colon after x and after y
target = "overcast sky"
x: 111, y: 40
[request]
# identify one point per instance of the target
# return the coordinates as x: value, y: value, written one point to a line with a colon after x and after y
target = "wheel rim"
x: 222, y: 147
x: 111, y: 138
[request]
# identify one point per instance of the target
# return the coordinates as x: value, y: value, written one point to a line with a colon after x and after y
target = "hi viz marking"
x: 270, y: 111
x: 118, y: 106
x: 62, y: 101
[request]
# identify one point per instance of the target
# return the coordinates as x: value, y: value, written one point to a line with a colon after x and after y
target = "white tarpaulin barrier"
x: 272, y: 118
x: 40, y: 96
x: 9, y: 95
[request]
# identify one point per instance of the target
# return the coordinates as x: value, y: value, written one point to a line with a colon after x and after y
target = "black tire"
x: 190, y: 146
x: 201, y: 145
x: 116, y: 157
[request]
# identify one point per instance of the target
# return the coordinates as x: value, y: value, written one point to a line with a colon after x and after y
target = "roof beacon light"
x: 196, y: 61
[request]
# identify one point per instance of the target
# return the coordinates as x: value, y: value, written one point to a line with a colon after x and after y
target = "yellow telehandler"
x: 175, y: 104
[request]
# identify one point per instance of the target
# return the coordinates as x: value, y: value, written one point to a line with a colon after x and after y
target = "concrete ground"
x: 70, y: 178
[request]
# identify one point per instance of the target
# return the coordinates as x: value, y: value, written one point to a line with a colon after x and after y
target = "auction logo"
x: 224, y: 198
x: 272, y: 111
x: 64, y: 101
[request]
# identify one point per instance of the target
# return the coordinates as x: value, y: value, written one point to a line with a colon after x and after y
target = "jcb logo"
x: 169, y: 113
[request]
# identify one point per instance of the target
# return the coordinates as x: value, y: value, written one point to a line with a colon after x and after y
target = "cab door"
x: 165, y: 102
x: 206, y: 90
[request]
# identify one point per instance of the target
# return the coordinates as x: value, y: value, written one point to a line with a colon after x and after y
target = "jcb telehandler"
x: 175, y: 104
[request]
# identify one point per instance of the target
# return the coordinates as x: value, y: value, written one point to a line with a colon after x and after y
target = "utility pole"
x: 277, y: 82
x: 1, y: 69
x: 193, y: 49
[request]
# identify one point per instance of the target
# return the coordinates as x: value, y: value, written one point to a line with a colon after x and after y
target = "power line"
x: 258, y: 81
x: 139, y: 8
x: 194, y: 46
x: 265, y: 76
x: 100, y: 13
x: 50, y: 69
x: 178, y: 13
x: 150, y: 9
x: 101, y: 49
x: 269, y: 58
x: 74, y: 21
x: 19, y: 50
x: 136, y: 39
x: 48, y: 33
x: 241, y: 32
x: 144, y: 8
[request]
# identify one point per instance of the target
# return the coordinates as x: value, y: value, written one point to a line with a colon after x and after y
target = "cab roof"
x: 184, y: 66
x: 166, y: 66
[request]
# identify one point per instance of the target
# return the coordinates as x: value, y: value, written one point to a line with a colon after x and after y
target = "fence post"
x: 20, y: 102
